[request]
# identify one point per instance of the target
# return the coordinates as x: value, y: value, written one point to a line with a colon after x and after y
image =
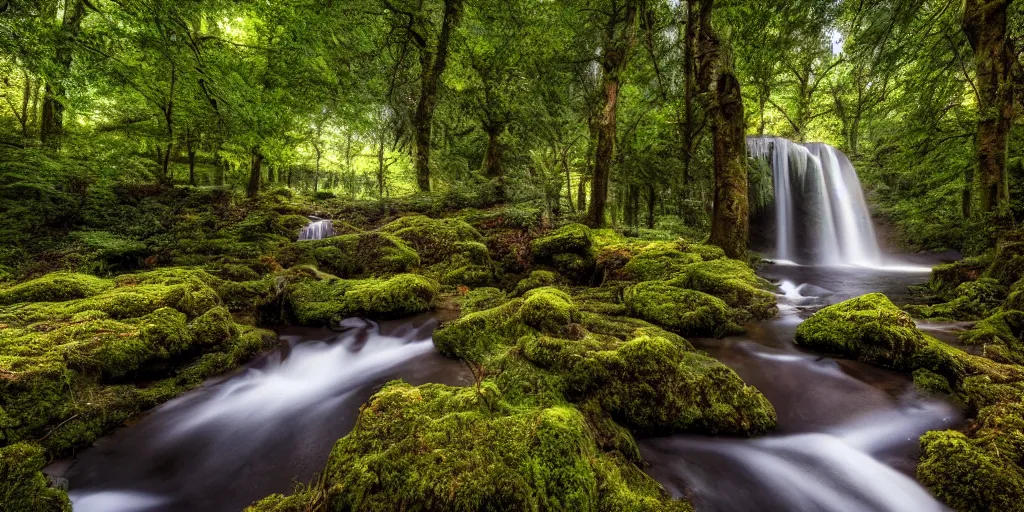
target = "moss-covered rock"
x: 1000, y: 335
x: 67, y: 366
x: 434, y: 239
x: 688, y: 312
x: 23, y: 487
x: 56, y: 287
x: 320, y: 301
x: 659, y: 261
x: 569, y: 239
x: 733, y: 281
x: 435, y: 447
x: 870, y: 328
x: 480, y: 299
x: 971, y: 301
x: 653, y: 385
x: 968, y: 474
x: 356, y: 254
x: 548, y: 310
x: 927, y: 380
x: 536, y: 279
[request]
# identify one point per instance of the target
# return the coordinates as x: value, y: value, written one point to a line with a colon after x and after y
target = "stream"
x: 846, y: 438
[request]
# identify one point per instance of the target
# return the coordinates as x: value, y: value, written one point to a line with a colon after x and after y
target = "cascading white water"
x: 820, y: 213
x: 318, y: 229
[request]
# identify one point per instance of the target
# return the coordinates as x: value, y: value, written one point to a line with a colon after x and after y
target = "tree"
x: 619, y: 37
x: 985, y: 24
x: 715, y: 77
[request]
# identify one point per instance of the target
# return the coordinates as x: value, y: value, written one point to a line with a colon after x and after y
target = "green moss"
x: 356, y: 254
x: 321, y: 301
x: 536, y: 279
x: 480, y: 299
x: 927, y: 380
x: 55, y: 287
x: 972, y: 300
x: 968, y: 474
x: 655, y: 386
x: 658, y: 262
x: 548, y: 310
x: 434, y: 239
x: 1004, y: 329
x: 572, y: 238
x: 688, y: 312
x: 732, y: 281
x: 23, y: 486
x: 870, y: 328
x: 437, y: 447
x: 66, y: 366
x: 950, y: 275
x: 476, y: 335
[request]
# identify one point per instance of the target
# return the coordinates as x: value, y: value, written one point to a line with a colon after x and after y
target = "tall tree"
x: 716, y: 78
x: 52, y: 122
x: 619, y: 37
x: 985, y: 25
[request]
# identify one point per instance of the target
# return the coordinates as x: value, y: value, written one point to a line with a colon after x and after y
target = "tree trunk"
x: 51, y: 127
x: 581, y: 194
x: 729, y: 218
x: 651, y: 202
x: 380, y: 168
x: 619, y: 39
x: 493, y: 155
x: 316, y: 172
x: 255, y: 165
x: 568, y: 181
x: 688, y: 63
x: 432, y: 65
x: 985, y: 25
x: 191, y: 165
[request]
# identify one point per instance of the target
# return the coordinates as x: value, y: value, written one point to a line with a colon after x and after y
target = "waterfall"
x: 819, y: 209
x: 317, y: 229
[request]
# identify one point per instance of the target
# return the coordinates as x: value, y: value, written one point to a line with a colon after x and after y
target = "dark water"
x: 847, y: 436
x: 261, y: 430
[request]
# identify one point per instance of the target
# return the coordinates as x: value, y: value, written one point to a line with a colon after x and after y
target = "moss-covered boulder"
x: 970, y: 473
x: 569, y: 239
x: 653, y: 385
x: 688, y: 312
x: 536, y: 279
x: 434, y: 239
x: 870, y: 328
x: 23, y: 487
x: 352, y: 255
x: 323, y: 299
x: 734, y: 282
x: 1001, y: 336
x: 67, y: 367
x: 971, y: 300
x: 55, y: 287
x: 436, y: 447
x: 658, y: 261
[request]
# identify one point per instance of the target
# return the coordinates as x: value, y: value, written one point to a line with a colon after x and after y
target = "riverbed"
x: 846, y: 439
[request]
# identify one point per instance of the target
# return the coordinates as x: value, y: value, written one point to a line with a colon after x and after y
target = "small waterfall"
x: 819, y: 209
x: 317, y: 229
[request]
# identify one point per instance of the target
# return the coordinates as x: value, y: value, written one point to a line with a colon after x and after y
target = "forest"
x: 608, y: 255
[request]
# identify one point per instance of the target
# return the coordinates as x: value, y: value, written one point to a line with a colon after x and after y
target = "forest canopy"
x: 577, y: 103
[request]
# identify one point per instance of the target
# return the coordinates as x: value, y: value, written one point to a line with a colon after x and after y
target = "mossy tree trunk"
x: 716, y: 79
x: 619, y: 38
x: 984, y: 24
x: 51, y: 126
x: 432, y: 65
x: 255, y: 164
x: 493, y: 165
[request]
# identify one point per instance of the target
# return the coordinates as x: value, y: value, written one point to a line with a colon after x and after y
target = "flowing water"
x: 260, y: 430
x: 846, y: 438
x: 847, y: 432
x: 317, y: 229
x: 820, y: 215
